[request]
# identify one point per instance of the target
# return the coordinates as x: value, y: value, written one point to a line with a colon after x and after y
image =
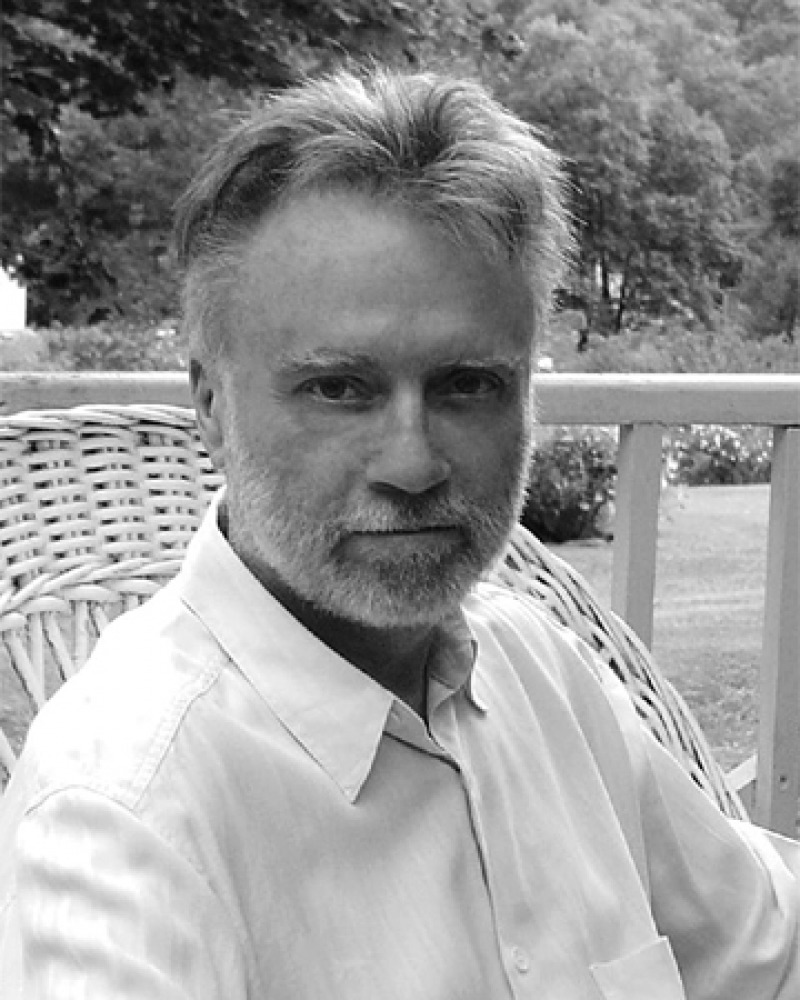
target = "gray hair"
x: 440, y: 148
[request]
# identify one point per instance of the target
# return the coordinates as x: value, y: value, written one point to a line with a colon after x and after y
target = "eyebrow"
x: 325, y: 359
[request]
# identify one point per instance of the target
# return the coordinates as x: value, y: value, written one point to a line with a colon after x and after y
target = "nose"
x: 405, y: 459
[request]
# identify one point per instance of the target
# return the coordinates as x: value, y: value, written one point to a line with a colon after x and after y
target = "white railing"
x: 642, y: 406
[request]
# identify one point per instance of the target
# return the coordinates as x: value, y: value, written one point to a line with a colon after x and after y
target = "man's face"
x: 374, y: 411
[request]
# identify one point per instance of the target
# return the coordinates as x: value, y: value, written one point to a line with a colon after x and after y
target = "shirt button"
x: 521, y: 961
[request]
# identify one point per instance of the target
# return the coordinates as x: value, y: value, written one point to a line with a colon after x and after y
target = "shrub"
x: 115, y: 347
x: 572, y: 481
x: 105, y: 346
x: 571, y: 485
x: 674, y: 347
x: 701, y: 455
x: 21, y: 350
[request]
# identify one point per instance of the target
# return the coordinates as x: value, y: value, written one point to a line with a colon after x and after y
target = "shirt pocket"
x: 650, y: 972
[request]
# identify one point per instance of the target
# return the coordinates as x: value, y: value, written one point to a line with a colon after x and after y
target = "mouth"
x: 402, y: 539
x: 422, y: 531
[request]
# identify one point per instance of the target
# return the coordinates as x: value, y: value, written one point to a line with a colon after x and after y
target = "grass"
x: 708, y: 610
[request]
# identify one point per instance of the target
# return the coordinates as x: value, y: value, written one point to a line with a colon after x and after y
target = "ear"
x: 209, y: 404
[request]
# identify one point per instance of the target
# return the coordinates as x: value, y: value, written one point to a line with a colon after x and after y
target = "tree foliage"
x: 678, y: 123
x: 88, y: 187
x: 674, y: 121
x: 95, y: 60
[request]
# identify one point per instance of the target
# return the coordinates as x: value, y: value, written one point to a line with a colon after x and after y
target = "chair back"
x: 97, y: 505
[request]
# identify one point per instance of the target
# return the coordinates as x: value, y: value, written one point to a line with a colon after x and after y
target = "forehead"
x: 342, y: 272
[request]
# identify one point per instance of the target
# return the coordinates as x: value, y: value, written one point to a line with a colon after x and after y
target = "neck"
x: 394, y: 657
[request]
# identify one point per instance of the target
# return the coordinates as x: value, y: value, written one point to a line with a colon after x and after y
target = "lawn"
x: 709, y: 604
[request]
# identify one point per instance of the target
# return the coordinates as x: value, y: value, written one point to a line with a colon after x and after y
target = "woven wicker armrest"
x: 97, y: 505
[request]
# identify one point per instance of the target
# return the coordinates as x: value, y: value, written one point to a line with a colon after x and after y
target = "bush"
x: 22, y: 350
x: 572, y: 482
x: 673, y: 347
x: 702, y: 455
x: 114, y: 347
x: 105, y: 347
x: 571, y: 485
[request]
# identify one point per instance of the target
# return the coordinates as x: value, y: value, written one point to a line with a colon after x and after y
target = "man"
x: 323, y: 762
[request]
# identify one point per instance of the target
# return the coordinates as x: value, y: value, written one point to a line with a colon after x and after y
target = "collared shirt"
x: 219, y: 807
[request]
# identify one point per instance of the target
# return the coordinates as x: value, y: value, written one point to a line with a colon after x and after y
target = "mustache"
x: 410, y: 513
x: 407, y: 513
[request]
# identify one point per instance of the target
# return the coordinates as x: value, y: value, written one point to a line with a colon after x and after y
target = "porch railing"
x: 642, y: 406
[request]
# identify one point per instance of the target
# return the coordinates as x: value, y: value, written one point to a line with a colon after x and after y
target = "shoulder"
x: 524, y: 631
x: 110, y: 726
x: 524, y: 649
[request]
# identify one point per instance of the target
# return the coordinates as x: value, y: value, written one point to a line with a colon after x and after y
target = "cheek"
x: 488, y: 451
x: 316, y: 471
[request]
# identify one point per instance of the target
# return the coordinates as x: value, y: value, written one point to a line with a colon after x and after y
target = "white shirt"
x: 219, y: 806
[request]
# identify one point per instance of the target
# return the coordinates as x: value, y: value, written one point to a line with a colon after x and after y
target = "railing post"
x: 778, y: 774
x: 636, y: 526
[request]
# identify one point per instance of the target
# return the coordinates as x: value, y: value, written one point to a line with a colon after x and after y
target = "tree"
x: 683, y: 247
x: 672, y: 118
x: 127, y: 173
x: 70, y: 64
x: 588, y: 94
x: 99, y: 59
x: 765, y: 28
x: 650, y: 177
x: 103, y: 56
x: 771, y: 288
x: 784, y: 194
x: 770, y: 281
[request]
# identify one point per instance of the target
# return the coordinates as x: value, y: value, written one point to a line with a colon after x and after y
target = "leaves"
x: 658, y: 115
x: 678, y: 123
x: 88, y: 225
x: 571, y: 484
x: 710, y: 454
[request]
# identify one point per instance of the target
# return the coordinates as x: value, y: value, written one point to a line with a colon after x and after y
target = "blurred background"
x: 678, y: 121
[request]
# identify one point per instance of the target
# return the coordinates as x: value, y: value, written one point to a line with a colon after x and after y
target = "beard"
x: 286, y: 535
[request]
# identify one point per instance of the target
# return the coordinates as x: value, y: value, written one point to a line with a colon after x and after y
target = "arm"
x: 726, y: 894
x: 105, y: 907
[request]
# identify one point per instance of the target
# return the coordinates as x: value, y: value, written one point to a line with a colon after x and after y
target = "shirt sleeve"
x: 106, y: 907
x: 725, y: 893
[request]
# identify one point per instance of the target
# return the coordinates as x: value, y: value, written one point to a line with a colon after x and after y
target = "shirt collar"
x: 452, y: 664
x: 335, y: 711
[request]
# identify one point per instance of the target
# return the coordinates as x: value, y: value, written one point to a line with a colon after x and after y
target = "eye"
x: 335, y: 389
x: 471, y: 383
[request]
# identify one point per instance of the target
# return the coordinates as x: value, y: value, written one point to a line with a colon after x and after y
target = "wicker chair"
x: 97, y: 504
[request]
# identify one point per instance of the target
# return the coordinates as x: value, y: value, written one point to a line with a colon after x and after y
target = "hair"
x: 439, y: 148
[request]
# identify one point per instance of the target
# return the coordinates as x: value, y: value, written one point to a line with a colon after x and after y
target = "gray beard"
x: 279, y: 539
